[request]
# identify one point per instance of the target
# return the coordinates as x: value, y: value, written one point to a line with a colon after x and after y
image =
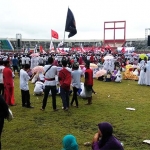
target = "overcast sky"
x: 34, y: 19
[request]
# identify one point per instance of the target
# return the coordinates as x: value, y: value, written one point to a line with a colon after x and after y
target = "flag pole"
x: 65, y: 26
x: 51, y: 40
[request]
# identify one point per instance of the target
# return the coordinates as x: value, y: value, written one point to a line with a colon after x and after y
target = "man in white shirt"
x: 45, y: 60
x: 27, y: 60
x: 50, y: 83
x: 23, y: 61
x: 34, y: 62
x: 41, y: 61
x: 24, y: 78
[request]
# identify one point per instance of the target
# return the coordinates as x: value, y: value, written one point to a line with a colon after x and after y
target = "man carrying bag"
x: 50, y: 83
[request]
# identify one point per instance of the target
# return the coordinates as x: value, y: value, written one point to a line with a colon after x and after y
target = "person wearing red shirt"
x: 64, y: 78
x: 92, y: 59
x: 8, y: 84
x: 88, y: 83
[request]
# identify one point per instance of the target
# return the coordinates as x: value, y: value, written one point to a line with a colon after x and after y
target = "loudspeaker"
x: 148, y: 43
x: 18, y: 43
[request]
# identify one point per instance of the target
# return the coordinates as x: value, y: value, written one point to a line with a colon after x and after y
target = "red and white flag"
x: 82, y: 49
x: 123, y: 50
x: 42, y: 50
x: 51, y: 47
x: 54, y: 34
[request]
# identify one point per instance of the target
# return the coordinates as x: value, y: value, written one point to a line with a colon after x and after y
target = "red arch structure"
x: 114, y: 26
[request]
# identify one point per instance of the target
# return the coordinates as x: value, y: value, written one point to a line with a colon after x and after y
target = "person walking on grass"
x: 76, y: 76
x: 88, y: 83
x: 64, y: 78
x: 50, y: 83
x: 25, y: 94
x: 15, y: 64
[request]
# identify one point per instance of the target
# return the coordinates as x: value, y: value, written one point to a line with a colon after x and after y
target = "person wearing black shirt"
x: 3, y: 114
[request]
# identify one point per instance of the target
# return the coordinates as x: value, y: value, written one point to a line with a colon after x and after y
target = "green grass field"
x: 33, y: 129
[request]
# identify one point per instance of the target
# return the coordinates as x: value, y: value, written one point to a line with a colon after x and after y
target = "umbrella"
x: 134, y: 54
x: 34, y: 54
x: 148, y: 54
x: 108, y: 57
x: 142, y: 56
x: 63, y: 53
x: 38, y: 69
x: 100, y: 73
x: 93, y: 66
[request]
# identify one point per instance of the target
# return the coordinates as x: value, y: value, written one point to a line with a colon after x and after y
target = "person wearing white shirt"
x: 88, y: 57
x: 76, y: 76
x: 39, y: 86
x: 41, y: 61
x: 23, y: 61
x: 34, y: 62
x: 24, y: 78
x: 44, y: 60
x: 27, y: 60
x: 50, y: 72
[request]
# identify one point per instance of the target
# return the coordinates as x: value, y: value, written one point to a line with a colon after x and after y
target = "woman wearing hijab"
x: 69, y: 143
x: 104, y: 140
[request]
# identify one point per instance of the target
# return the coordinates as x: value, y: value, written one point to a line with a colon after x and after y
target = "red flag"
x: 123, y: 50
x: 41, y: 49
x: 54, y: 34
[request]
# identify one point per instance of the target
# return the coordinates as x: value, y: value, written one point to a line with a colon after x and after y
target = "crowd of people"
x: 69, y: 72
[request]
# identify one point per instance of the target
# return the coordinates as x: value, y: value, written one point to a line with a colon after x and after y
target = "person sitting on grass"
x: 69, y: 142
x: 107, y: 78
x: 39, y: 86
x: 104, y: 140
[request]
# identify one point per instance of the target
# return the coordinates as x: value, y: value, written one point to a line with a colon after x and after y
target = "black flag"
x: 70, y: 24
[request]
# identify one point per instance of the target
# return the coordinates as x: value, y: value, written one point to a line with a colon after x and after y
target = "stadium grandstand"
x: 10, y: 44
x: 140, y: 44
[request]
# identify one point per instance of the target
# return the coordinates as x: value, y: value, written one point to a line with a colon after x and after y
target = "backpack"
x: 66, y: 78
